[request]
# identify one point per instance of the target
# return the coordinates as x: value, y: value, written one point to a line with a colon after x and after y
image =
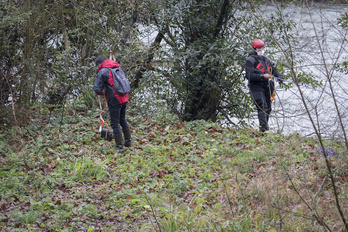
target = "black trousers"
x: 263, y: 104
x: 117, y: 115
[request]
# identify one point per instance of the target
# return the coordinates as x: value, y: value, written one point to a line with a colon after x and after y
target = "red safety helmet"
x: 258, y: 43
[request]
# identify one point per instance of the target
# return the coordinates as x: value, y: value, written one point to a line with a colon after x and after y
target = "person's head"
x: 258, y: 46
x: 100, y: 59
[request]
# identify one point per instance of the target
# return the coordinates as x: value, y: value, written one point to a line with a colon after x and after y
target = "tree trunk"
x: 203, y: 98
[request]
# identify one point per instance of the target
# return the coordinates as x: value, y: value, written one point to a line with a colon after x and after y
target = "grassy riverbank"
x: 192, y: 176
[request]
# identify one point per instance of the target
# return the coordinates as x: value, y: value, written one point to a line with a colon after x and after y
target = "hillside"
x: 194, y: 176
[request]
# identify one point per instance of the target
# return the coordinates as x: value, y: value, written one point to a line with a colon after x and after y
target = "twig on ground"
x: 308, y: 206
x: 153, y: 213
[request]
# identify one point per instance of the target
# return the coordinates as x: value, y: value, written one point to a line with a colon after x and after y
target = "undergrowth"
x: 194, y: 176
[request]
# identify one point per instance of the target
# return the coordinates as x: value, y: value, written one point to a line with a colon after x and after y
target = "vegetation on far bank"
x: 57, y: 175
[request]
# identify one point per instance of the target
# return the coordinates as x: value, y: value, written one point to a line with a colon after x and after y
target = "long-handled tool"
x: 101, y: 116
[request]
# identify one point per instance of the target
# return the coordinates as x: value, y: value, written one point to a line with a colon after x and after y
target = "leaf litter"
x: 193, y: 176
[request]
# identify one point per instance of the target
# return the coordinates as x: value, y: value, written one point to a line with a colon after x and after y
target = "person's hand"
x: 267, y: 76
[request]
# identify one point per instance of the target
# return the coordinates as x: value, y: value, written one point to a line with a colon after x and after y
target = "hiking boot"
x: 127, y: 137
x: 119, y: 143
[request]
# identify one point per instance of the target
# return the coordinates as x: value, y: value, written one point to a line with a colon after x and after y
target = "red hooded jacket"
x: 104, y: 82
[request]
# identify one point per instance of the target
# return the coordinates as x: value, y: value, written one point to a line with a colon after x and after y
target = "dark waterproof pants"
x: 263, y: 105
x: 117, y: 115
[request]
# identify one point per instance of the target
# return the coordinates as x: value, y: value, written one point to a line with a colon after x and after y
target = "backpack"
x: 121, y: 83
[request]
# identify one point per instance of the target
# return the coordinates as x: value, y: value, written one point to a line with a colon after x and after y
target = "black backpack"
x: 121, y: 83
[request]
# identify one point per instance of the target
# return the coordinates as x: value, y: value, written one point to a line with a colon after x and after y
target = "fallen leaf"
x: 27, y: 167
x: 15, y: 197
x: 53, y: 164
x: 59, y: 202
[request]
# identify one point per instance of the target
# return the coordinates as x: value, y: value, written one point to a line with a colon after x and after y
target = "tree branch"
x: 222, y: 16
x: 147, y: 64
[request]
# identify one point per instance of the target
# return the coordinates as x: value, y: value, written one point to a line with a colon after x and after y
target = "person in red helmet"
x: 117, y: 104
x: 260, y: 71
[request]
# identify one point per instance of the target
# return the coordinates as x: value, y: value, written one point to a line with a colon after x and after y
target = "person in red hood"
x: 103, y: 85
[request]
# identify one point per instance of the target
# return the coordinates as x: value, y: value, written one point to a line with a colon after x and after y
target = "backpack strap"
x: 252, y: 59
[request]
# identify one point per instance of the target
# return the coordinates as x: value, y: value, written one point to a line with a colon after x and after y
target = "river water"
x: 321, y: 43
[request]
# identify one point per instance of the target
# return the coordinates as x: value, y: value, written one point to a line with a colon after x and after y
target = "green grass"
x: 194, y: 176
